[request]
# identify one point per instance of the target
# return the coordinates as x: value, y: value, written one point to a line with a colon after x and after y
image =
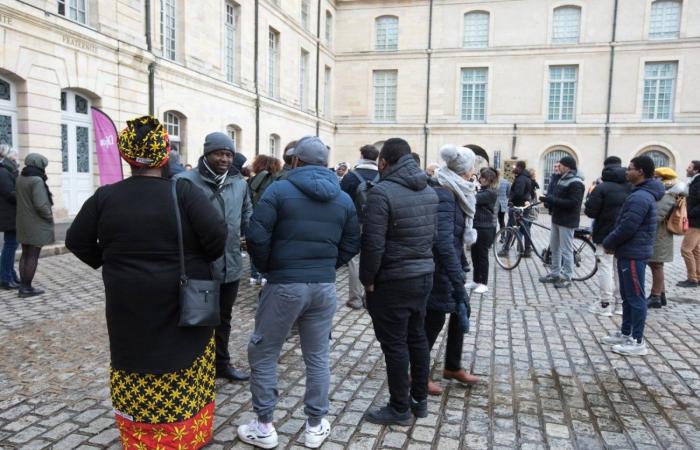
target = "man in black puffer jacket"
x: 602, y: 206
x: 396, y: 268
x: 521, y: 193
x: 690, y: 248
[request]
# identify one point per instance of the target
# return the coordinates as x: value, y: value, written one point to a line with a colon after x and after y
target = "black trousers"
x: 397, y: 308
x: 480, y: 254
x: 227, y: 297
x: 434, y: 321
x: 501, y: 219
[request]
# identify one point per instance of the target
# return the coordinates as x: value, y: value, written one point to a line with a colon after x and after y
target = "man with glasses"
x: 632, y: 241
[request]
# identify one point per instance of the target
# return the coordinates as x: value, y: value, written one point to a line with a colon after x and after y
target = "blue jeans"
x: 634, y: 302
x: 7, y: 259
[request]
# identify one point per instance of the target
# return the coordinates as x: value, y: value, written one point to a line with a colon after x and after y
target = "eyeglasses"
x: 629, y: 169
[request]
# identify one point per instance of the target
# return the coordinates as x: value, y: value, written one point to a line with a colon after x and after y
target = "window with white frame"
x: 566, y: 25
x: 562, y: 93
x: 230, y: 40
x: 274, y: 144
x: 167, y: 28
x: 174, y: 125
x: 659, y: 88
x: 660, y: 157
x: 476, y: 29
x: 387, y: 33
x: 303, y: 79
x: 327, y: 92
x: 329, y: 28
x: 665, y: 20
x: 8, y: 113
x: 384, y: 82
x: 305, y: 13
x: 474, y: 81
x: 75, y: 10
x: 234, y: 132
x: 272, y: 62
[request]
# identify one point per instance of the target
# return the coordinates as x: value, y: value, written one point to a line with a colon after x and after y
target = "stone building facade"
x: 526, y: 79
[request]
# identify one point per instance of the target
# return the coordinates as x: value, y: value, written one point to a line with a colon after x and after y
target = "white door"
x: 76, y: 151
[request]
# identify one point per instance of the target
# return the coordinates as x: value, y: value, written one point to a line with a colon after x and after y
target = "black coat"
x: 129, y: 229
x: 521, y: 189
x: 397, y: 237
x: 448, y: 253
x: 485, y: 216
x: 564, y: 201
x: 604, y: 203
x: 8, y: 195
x: 693, y: 203
x: 350, y: 182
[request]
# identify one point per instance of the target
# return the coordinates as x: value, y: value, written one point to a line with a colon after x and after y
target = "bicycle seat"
x: 582, y: 232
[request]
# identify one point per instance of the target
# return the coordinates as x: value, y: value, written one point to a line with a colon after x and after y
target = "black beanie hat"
x: 569, y: 162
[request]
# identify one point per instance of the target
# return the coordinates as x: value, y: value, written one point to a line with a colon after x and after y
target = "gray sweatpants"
x: 312, y: 306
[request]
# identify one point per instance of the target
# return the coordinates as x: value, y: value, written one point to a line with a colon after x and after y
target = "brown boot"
x: 434, y: 388
x: 460, y: 375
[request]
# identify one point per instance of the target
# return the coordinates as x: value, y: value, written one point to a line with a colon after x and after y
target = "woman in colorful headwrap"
x: 162, y: 375
x: 663, y: 242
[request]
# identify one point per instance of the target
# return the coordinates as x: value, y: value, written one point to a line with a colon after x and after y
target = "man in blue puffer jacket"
x: 632, y: 241
x: 303, y: 228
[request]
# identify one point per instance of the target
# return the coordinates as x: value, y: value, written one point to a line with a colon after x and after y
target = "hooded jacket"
x: 564, y: 200
x: 397, y: 238
x: 303, y: 228
x: 8, y: 194
x: 635, y: 228
x: 693, y: 202
x: 34, y: 207
x: 521, y: 189
x: 606, y: 199
x: 663, y: 242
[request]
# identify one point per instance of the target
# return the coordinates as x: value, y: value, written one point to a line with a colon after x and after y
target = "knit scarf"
x: 466, y: 197
x: 31, y: 171
x: 209, y: 173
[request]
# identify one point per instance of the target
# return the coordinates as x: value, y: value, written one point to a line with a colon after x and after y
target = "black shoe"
x: 9, y: 285
x: 419, y: 409
x: 527, y: 254
x: 549, y: 279
x: 25, y: 292
x: 562, y: 283
x: 663, y: 299
x: 687, y: 283
x: 388, y: 416
x: 654, y: 301
x: 231, y: 373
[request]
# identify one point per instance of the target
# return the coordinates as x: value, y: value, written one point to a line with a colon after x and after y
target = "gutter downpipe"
x: 610, y: 81
x: 514, y: 142
x: 429, y: 51
x: 152, y: 65
x: 318, y: 62
x: 256, y: 78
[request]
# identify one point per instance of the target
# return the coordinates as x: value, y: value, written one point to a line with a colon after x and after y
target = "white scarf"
x: 466, y: 197
x: 218, y: 179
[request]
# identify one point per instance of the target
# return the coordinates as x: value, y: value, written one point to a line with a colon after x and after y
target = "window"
x: 659, y: 81
x: 549, y: 160
x: 387, y: 30
x: 329, y: 28
x: 566, y: 25
x: 665, y: 19
x: 385, y: 95
x: 274, y: 144
x: 8, y: 113
x: 234, y: 132
x: 476, y: 29
x: 167, y: 28
x: 474, y: 94
x: 75, y: 10
x: 272, y: 62
x: 174, y: 125
x: 660, y: 157
x: 230, y: 41
x: 305, y: 13
x: 327, y: 92
x: 303, y: 79
x: 562, y: 93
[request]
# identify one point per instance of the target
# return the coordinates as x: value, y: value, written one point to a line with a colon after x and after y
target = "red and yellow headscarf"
x: 144, y: 143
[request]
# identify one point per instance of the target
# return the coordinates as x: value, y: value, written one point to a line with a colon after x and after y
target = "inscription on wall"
x: 5, y: 20
x: 79, y: 43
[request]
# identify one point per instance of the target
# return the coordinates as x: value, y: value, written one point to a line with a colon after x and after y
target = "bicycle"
x: 510, y: 242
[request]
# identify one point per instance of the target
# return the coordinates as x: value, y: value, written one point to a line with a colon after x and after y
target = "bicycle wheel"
x: 585, y: 261
x: 508, y: 248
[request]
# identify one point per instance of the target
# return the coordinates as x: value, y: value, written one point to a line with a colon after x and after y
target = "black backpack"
x: 361, y: 193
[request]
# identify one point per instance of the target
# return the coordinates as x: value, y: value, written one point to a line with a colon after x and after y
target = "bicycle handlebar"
x: 523, y: 208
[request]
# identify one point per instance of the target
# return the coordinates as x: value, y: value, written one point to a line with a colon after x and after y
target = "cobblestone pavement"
x: 547, y: 380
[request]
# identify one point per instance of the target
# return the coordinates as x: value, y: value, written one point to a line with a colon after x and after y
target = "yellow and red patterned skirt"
x: 168, y: 411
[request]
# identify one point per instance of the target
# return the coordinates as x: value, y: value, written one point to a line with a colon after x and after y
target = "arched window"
x: 76, y: 149
x: 566, y: 25
x: 175, y: 126
x: 274, y: 144
x: 234, y: 132
x: 8, y: 113
x: 387, y: 33
x: 660, y: 156
x: 549, y: 160
x: 665, y: 19
x: 476, y: 29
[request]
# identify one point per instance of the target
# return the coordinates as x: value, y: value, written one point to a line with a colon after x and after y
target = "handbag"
x: 199, y: 299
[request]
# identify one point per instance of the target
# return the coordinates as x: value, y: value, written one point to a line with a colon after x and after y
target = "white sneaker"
x: 314, y: 436
x: 481, y: 289
x: 597, y: 308
x: 615, y: 339
x: 263, y: 281
x: 469, y: 285
x: 253, y: 281
x: 618, y: 309
x: 251, y: 434
x: 631, y: 348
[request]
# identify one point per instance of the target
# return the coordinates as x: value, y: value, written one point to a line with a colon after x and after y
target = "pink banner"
x: 108, y: 160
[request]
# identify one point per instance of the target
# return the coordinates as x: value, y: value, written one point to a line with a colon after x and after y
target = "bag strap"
x: 183, y: 274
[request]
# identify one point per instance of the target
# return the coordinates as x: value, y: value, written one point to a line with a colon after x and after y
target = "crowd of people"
x: 404, y: 233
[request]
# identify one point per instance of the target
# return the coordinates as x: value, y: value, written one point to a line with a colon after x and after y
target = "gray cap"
x: 311, y: 150
x: 218, y: 141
